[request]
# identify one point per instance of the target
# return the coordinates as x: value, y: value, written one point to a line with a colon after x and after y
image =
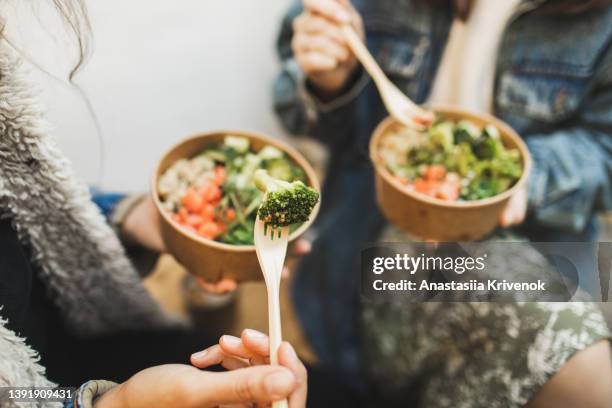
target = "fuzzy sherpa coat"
x: 82, y: 263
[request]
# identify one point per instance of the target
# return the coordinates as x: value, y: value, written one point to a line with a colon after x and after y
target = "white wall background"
x: 160, y: 71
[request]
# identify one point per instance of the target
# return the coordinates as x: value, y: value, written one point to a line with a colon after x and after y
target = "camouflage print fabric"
x: 474, y: 354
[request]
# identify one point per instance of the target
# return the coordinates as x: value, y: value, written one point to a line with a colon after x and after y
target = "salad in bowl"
x: 208, y: 190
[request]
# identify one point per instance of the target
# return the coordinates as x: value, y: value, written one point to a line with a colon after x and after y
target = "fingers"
x: 319, y: 44
x: 252, y: 346
x: 253, y: 384
x: 511, y: 217
x: 215, y: 355
x: 221, y: 287
x: 235, y: 353
x: 311, y: 24
x: 515, y: 211
x: 236, y: 347
x: 256, y: 342
x: 288, y: 358
x: 330, y: 9
x: 338, y: 12
x: 314, y: 62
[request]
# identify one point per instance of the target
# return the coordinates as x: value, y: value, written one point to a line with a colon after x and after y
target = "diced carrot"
x: 193, y: 201
x: 422, y: 120
x: 182, y: 214
x: 203, y: 187
x: 221, y: 226
x: 435, y: 172
x: 427, y: 187
x: 219, y: 175
x: 209, y: 230
x: 230, y: 214
x: 208, y: 212
x: 194, y: 220
x: 212, y: 193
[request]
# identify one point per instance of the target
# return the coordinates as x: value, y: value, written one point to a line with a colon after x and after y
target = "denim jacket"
x: 553, y: 85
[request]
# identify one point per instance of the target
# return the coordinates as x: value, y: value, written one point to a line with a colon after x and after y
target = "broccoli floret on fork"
x: 284, y: 203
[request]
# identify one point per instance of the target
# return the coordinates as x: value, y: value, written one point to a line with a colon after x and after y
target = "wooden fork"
x: 271, y: 248
x: 397, y: 103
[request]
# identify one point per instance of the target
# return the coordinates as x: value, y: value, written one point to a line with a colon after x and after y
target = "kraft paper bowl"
x: 429, y: 218
x: 203, y: 257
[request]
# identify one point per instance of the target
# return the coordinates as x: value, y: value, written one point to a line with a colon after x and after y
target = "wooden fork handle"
x: 274, y: 328
x: 363, y: 54
x: 371, y: 66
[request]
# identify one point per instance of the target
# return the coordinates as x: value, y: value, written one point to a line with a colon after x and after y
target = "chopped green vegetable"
x: 270, y: 153
x: 466, y: 132
x: 284, y: 203
x: 239, y: 144
x: 441, y: 134
x: 214, y: 195
x: 478, y: 157
x: 284, y: 170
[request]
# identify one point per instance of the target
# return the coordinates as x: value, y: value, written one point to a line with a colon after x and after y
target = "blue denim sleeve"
x: 572, y: 175
x: 106, y: 201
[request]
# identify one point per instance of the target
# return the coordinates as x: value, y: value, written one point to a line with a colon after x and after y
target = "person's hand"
x: 188, y: 387
x: 220, y: 287
x: 516, y: 209
x: 318, y: 43
x: 142, y: 227
x: 176, y: 385
x: 252, y: 350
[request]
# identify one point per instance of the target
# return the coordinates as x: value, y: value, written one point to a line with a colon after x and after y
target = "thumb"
x: 245, y: 385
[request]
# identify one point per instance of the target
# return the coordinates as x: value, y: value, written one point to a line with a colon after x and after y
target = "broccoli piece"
x: 239, y: 144
x: 270, y: 153
x: 465, y: 132
x: 491, y: 131
x: 215, y: 155
x: 489, y: 144
x: 279, y: 169
x: 442, y: 135
x: 283, y: 169
x: 242, y: 170
x: 284, y: 203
